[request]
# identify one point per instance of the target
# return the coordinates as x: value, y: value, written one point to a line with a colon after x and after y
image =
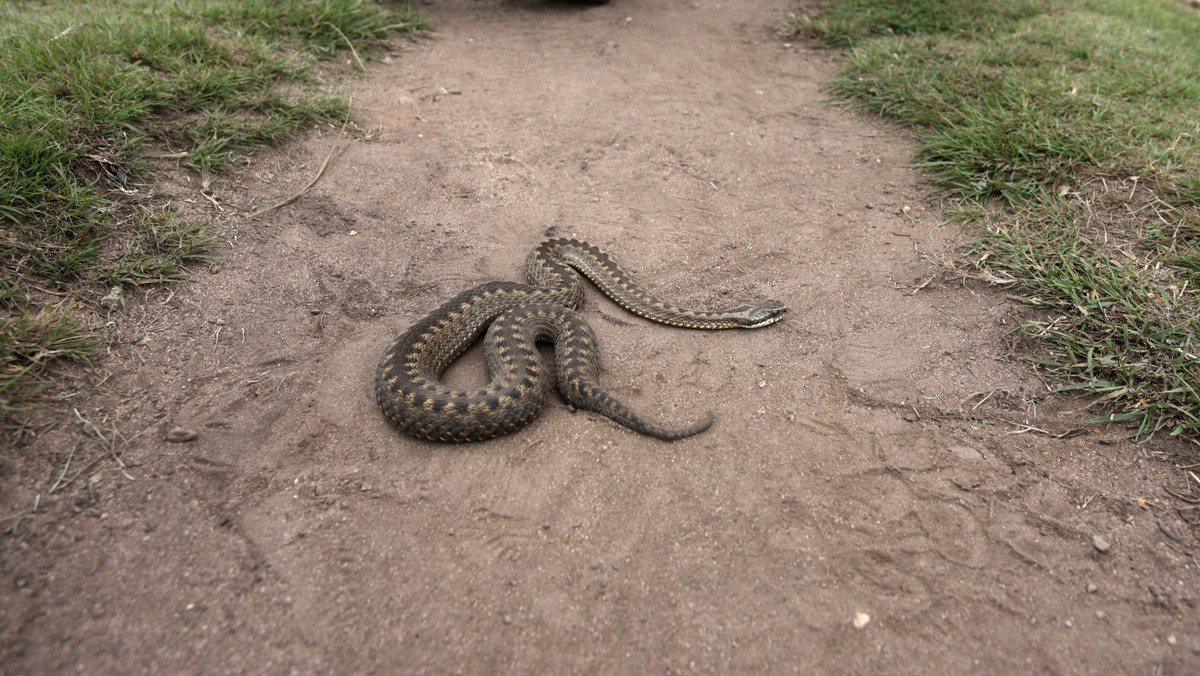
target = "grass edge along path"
x: 1067, y: 130
x: 92, y: 95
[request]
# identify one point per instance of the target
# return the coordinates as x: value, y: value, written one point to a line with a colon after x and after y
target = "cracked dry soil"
x: 882, y: 491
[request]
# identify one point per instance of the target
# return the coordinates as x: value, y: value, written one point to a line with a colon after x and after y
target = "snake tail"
x: 578, y: 366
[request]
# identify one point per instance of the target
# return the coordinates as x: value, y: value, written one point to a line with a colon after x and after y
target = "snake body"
x: 516, y: 317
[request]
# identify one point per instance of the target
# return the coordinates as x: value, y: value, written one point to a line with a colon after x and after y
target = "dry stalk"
x: 311, y: 183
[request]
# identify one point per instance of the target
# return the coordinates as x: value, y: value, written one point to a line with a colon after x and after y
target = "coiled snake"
x: 519, y: 315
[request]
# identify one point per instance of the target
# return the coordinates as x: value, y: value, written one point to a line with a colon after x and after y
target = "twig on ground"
x: 922, y: 285
x: 981, y: 401
x: 311, y: 183
x: 1023, y: 428
x: 349, y: 44
x: 66, y: 467
x: 105, y: 443
x: 16, y: 518
x: 212, y: 199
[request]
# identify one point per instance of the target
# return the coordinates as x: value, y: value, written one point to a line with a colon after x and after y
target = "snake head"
x: 758, y: 315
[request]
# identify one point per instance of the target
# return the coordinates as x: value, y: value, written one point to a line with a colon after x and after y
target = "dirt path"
x: 867, y: 462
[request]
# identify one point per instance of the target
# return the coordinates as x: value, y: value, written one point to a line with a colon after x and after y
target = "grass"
x: 848, y: 22
x: 1078, y: 117
x: 32, y: 342
x: 90, y: 93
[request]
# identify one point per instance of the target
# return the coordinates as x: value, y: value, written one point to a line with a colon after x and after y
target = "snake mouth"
x: 764, y: 314
x: 766, y: 322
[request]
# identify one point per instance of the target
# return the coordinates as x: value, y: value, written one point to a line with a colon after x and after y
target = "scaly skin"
x: 516, y: 317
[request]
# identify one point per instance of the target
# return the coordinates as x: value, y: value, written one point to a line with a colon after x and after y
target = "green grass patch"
x: 32, y: 344
x: 86, y: 87
x: 1116, y: 320
x: 1081, y: 116
x: 848, y: 22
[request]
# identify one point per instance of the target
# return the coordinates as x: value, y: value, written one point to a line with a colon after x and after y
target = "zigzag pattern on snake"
x: 516, y: 317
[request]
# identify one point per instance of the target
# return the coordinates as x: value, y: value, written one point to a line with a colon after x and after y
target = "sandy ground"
x: 883, y: 490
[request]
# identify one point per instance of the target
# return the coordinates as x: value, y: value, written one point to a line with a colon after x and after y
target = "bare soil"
x: 885, y: 490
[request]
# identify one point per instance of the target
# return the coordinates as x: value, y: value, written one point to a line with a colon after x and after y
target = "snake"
x: 516, y: 317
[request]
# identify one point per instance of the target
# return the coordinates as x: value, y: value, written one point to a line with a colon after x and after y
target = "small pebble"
x: 861, y: 620
x: 1100, y: 544
x: 1092, y: 588
x: 179, y: 435
x: 966, y: 453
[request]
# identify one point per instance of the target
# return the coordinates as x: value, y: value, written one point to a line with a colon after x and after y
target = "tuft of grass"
x: 32, y: 343
x: 1053, y: 100
x: 848, y: 22
x: 158, y: 248
x: 1080, y: 116
x: 87, y: 87
x: 321, y: 26
x: 1123, y: 327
